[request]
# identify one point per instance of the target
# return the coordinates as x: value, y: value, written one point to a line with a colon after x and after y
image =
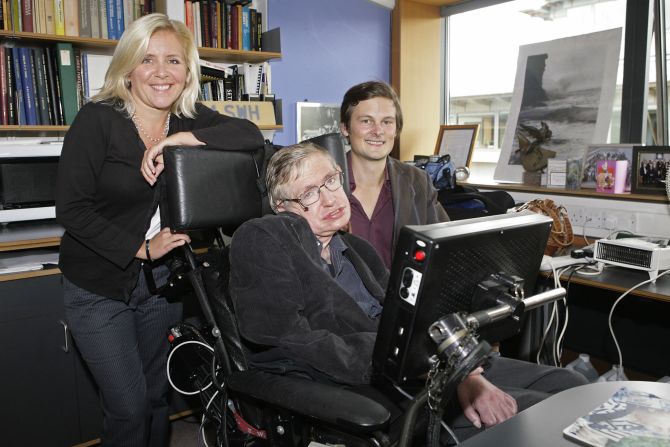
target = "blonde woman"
x: 108, y: 199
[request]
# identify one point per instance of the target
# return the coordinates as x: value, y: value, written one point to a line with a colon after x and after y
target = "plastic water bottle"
x: 582, y: 365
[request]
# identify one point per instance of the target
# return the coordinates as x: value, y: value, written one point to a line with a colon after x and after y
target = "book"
x: 28, y: 85
x: 41, y: 94
x: 49, y: 17
x: 71, y: 13
x: 120, y: 23
x: 85, y: 18
x: 27, y: 16
x: 94, y: 11
x: 104, y: 23
x: 3, y: 87
x: 111, y: 18
x: 628, y: 418
x: 54, y: 85
x: 59, y: 17
x: 96, y: 68
x: 68, y: 80
x: 246, y: 29
x: 18, y: 88
x: 11, y: 92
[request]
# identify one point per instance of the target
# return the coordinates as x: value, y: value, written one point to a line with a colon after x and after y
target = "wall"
x: 327, y: 46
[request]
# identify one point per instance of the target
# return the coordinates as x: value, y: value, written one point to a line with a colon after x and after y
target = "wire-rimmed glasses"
x: 312, y: 195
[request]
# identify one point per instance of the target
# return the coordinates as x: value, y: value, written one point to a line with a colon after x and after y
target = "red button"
x: 419, y: 255
x: 170, y: 338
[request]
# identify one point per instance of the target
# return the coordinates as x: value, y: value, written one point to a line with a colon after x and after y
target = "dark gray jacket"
x: 291, y: 311
x: 414, y: 197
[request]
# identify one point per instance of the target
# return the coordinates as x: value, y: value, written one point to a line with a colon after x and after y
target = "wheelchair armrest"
x: 326, y: 403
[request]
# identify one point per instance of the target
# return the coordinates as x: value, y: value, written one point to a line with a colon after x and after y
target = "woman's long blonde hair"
x: 131, y: 50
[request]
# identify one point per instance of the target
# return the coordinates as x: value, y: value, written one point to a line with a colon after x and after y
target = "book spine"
x: 120, y: 25
x: 234, y: 27
x: 41, y: 94
x: 204, y: 20
x: 68, y: 81
x: 71, y: 11
x: 54, y: 83
x: 111, y: 19
x: 3, y: 87
x: 27, y: 86
x: 246, y: 29
x: 27, y: 16
x: 78, y: 77
x: 84, y: 10
x: 188, y: 16
x: 84, y: 78
x: 213, y: 27
x: 259, y: 31
x: 59, y: 17
x: 219, y: 25
x: 42, y: 56
x: 128, y: 12
x: 49, y: 17
x: 11, y: 91
x: 94, y: 11
x: 104, y: 21
x: 252, y: 29
x: 16, y: 16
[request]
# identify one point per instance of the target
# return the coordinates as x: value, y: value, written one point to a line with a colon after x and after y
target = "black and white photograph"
x: 562, y: 101
x: 607, y: 152
x: 314, y: 119
x: 650, y: 168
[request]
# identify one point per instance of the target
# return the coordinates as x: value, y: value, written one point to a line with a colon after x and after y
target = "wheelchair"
x: 223, y: 189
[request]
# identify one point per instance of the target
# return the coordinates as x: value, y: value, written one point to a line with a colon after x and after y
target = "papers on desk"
x: 26, y: 262
x: 628, y: 418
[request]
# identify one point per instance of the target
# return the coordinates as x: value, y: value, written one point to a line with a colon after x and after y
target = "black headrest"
x: 334, y: 144
x: 209, y: 188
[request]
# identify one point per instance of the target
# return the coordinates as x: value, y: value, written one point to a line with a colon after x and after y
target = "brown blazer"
x: 414, y: 197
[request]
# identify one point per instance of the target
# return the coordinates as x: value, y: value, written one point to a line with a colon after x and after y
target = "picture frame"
x: 315, y: 118
x: 607, y: 152
x: 650, y: 165
x: 457, y: 140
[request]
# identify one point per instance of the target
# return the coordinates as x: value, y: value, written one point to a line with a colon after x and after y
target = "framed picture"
x: 457, y: 141
x: 605, y: 152
x: 650, y: 167
x: 314, y: 119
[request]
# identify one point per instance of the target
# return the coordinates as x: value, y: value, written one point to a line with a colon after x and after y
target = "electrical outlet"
x: 576, y: 215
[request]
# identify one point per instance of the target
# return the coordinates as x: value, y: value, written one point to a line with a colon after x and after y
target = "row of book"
x: 47, y: 85
x: 234, y: 82
x: 218, y: 24
x: 103, y: 19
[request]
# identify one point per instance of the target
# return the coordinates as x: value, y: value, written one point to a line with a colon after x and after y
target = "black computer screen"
x: 437, y: 270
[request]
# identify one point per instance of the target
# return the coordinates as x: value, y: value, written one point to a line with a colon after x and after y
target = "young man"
x: 384, y: 190
x: 387, y: 195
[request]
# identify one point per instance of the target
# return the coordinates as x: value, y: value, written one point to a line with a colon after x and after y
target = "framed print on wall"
x: 458, y: 141
x: 650, y: 167
x: 314, y: 119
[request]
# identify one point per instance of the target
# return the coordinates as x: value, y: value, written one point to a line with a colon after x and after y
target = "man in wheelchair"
x: 308, y: 297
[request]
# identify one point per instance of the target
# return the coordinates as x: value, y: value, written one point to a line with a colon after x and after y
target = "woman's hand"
x: 152, y: 163
x: 162, y: 243
x: 483, y: 402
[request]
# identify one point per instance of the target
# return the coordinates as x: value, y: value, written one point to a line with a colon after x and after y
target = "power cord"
x: 609, y: 319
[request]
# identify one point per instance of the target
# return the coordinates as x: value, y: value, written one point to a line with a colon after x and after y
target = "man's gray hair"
x: 286, y: 165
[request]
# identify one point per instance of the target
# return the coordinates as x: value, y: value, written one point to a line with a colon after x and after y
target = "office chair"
x: 212, y: 188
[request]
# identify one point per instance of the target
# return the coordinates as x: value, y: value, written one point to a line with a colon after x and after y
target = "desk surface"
x: 619, y: 279
x: 543, y: 424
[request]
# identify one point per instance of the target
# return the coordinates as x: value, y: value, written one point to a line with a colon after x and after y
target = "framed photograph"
x: 314, y: 119
x: 457, y: 141
x: 605, y: 152
x: 650, y: 167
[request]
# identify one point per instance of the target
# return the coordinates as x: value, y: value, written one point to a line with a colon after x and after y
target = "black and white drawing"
x: 562, y: 101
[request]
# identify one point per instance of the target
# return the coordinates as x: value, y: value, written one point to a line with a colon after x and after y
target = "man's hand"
x: 152, y: 163
x: 483, y: 402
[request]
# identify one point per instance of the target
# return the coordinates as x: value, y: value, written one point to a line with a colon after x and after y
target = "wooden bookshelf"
x: 82, y: 42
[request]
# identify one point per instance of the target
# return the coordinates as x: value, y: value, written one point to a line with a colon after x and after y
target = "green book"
x: 68, y: 81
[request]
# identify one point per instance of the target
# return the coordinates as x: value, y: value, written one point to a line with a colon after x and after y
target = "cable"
x: 609, y: 319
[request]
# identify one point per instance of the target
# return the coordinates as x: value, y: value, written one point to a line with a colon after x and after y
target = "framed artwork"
x: 458, y: 141
x: 561, y: 102
x: 605, y: 152
x: 650, y: 167
x: 314, y: 119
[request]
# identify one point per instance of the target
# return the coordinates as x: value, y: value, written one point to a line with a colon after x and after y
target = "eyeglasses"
x: 312, y: 195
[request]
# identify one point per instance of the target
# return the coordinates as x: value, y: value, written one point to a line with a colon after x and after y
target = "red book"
x: 27, y: 16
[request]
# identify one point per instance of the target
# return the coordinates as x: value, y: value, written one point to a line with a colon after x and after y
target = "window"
x: 482, y: 50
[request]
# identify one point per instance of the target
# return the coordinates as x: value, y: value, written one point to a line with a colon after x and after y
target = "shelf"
x: 585, y: 192
x: 86, y: 42
x: 16, y: 128
x: 237, y: 55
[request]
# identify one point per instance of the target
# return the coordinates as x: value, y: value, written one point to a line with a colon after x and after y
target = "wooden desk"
x: 619, y: 279
x: 543, y: 424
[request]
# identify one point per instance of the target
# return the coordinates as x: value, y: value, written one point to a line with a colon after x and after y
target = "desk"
x: 619, y: 279
x: 543, y: 424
